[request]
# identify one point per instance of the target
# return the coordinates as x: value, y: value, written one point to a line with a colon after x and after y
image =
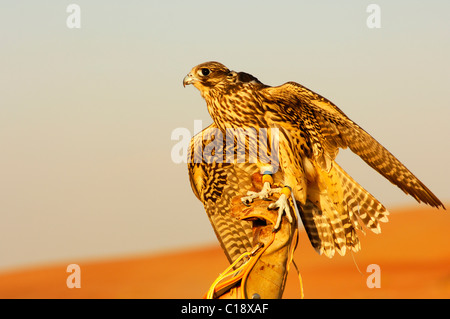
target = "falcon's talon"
x: 283, y: 206
x: 263, y: 194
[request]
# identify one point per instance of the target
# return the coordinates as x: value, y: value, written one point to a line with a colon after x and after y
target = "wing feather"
x: 215, y: 184
x: 338, y: 131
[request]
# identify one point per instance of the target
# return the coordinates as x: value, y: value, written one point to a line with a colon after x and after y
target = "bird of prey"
x: 310, y: 132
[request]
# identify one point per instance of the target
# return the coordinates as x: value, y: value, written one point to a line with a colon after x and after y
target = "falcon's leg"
x: 265, y: 192
x: 283, y: 206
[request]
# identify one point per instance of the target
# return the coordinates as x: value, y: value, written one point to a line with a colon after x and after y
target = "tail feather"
x: 364, y: 207
x: 318, y: 228
x: 336, y: 207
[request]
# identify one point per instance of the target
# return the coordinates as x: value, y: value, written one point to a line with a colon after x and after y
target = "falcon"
x: 310, y: 132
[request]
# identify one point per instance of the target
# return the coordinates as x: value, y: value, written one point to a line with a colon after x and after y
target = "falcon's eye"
x: 205, y: 71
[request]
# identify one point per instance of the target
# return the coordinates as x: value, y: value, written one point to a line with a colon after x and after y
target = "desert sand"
x: 412, y: 251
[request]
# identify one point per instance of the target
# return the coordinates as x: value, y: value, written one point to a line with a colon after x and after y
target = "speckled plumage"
x: 311, y: 131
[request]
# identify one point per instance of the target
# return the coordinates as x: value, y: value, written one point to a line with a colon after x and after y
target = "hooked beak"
x: 188, y: 79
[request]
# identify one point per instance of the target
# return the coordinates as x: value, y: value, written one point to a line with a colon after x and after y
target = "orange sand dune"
x: 413, y: 252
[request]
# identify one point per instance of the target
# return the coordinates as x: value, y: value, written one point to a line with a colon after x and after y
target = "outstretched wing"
x: 335, y: 130
x: 215, y: 184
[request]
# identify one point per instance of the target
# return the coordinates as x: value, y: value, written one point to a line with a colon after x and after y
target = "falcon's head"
x: 209, y: 75
x: 206, y: 75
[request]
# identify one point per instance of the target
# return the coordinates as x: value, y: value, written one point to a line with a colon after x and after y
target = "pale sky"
x: 86, y: 114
